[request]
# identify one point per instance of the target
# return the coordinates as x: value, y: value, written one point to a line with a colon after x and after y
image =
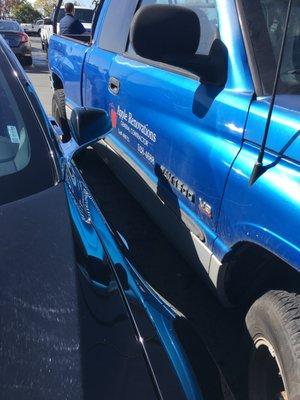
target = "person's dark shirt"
x: 69, y: 25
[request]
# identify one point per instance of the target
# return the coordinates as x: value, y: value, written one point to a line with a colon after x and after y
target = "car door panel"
x: 112, y: 360
x: 180, y: 360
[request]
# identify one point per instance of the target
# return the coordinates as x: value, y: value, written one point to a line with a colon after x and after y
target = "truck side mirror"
x: 171, y: 35
x: 88, y: 125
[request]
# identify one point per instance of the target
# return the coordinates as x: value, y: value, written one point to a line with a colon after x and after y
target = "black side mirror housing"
x: 171, y: 35
x: 160, y: 32
x: 88, y: 125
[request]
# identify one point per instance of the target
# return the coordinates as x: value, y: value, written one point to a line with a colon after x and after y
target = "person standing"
x: 69, y: 25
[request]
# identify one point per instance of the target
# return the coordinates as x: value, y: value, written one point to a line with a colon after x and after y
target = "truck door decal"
x: 134, y: 132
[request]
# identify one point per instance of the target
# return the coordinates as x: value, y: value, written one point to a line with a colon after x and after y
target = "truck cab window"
x: 265, y: 22
x: 116, y: 25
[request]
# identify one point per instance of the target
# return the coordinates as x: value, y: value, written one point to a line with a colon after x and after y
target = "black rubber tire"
x: 275, y: 319
x: 59, y: 113
x: 27, y: 61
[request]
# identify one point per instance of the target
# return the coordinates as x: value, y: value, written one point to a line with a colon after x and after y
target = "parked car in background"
x: 17, y: 40
x: 84, y: 14
x: 77, y: 320
x: 44, y: 32
x: 33, y: 28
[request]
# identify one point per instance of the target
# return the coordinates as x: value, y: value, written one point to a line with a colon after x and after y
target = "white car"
x: 44, y: 32
x: 84, y: 14
x: 33, y: 27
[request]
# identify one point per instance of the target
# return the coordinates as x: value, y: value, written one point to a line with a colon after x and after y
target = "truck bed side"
x: 66, y: 60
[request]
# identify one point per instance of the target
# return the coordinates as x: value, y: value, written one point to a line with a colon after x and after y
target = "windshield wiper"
x: 259, y: 168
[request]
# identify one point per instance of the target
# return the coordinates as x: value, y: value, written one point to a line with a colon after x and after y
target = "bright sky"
x: 84, y: 3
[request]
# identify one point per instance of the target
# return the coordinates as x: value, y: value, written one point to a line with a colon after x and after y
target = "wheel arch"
x: 250, y: 270
x: 56, y: 81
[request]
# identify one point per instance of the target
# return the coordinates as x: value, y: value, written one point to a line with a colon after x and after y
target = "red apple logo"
x: 113, y: 117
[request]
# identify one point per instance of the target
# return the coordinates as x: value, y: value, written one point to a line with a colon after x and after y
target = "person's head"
x: 69, y: 8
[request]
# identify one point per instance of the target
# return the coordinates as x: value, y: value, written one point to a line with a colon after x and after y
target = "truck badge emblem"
x: 205, y: 208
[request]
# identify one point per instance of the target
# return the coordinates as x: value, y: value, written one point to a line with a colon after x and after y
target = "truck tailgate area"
x: 222, y: 330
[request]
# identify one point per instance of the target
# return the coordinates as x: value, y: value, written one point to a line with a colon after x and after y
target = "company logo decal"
x: 134, y: 132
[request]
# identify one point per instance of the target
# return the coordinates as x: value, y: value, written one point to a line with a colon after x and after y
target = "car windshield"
x: 84, y: 15
x: 26, y: 165
x: 9, y: 26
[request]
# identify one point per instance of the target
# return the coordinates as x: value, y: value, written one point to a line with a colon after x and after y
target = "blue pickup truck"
x: 204, y: 102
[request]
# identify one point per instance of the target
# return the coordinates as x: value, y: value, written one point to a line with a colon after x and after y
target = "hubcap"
x: 274, y: 381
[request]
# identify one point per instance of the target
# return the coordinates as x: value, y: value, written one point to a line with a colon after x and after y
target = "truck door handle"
x: 114, y: 85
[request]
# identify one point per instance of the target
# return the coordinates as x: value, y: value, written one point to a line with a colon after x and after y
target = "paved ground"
x: 39, y: 74
x: 222, y: 330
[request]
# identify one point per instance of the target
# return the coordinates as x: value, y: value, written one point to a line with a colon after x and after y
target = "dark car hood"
x: 38, y: 298
x: 59, y: 337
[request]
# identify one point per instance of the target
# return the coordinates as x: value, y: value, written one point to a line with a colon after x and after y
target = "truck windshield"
x: 84, y: 15
x: 265, y: 21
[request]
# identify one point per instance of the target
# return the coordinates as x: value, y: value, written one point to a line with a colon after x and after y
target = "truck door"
x: 181, y: 135
x: 107, y: 43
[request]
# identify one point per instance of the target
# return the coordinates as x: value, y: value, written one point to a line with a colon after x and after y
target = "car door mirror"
x: 89, y: 124
x: 171, y: 35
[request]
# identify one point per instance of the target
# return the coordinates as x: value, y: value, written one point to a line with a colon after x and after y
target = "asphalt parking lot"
x: 39, y: 73
x: 221, y: 329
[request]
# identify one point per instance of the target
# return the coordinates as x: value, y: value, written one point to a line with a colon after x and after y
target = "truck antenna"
x: 259, y: 168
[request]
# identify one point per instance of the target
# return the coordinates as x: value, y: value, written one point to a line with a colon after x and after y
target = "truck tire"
x: 59, y: 113
x: 28, y: 61
x: 273, y: 322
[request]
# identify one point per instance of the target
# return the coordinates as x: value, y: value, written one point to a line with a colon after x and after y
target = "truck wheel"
x: 59, y: 113
x: 28, y: 61
x: 273, y: 322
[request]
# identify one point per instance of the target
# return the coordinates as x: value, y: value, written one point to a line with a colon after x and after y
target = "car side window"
x: 25, y: 165
x: 116, y: 25
x: 206, y: 11
x: 265, y: 21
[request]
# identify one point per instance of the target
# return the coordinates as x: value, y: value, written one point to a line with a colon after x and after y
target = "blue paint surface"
x: 207, y: 138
